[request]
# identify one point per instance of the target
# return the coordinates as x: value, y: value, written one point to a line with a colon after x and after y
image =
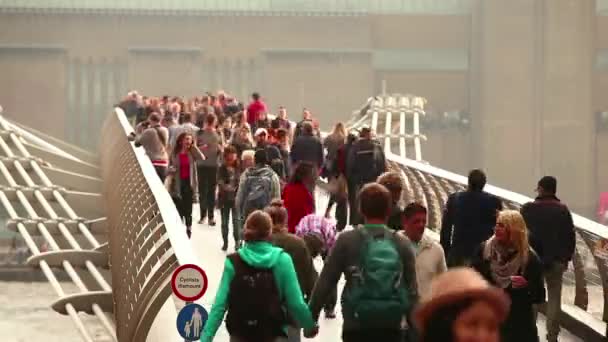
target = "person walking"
x: 257, y: 282
x: 307, y: 148
x: 469, y: 219
x: 335, y: 168
x: 274, y: 154
x: 365, y: 151
x: 430, y: 259
x: 183, y: 182
x: 306, y: 118
x: 228, y: 182
x: 186, y: 126
x: 258, y: 186
x: 209, y: 143
x: 242, y: 139
x: 507, y: 261
x: 299, y: 253
x: 379, y: 267
x: 319, y: 233
x: 255, y: 108
x: 298, y: 199
x: 552, y: 237
x: 351, y: 187
x: 154, y: 140
x: 393, y: 181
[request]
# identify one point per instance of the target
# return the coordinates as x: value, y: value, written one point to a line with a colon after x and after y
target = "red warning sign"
x: 189, y: 282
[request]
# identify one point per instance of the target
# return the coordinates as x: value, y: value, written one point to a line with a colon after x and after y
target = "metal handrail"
x: 70, y: 259
x: 148, y: 239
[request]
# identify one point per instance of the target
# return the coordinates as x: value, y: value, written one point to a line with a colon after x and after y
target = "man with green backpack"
x: 379, y: 267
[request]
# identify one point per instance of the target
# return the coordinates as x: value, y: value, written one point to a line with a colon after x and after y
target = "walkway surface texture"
x: 207, y: 241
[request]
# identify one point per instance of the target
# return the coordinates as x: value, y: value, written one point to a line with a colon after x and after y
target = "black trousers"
x: 330, y: 305
x: 161, y: 171
x: 226, y: 210
x: 384, y: 335
x: 207, y: 184
x: 353, y: 206
x: 341, y: 210
x: 184, y: 202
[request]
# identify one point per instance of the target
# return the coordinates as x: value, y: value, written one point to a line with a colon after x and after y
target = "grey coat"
x: 174, y: 171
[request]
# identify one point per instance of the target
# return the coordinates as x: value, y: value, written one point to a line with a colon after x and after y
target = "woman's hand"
x: 518, y: 282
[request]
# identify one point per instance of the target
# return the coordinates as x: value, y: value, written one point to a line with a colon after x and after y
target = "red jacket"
x: 298, y: 202
x: 253, y: 111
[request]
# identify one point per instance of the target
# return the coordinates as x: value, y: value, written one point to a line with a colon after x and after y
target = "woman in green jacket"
x: 266, y: 270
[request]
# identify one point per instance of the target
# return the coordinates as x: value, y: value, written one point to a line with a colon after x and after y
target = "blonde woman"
x: 335, y: 140
x: 507, y: 261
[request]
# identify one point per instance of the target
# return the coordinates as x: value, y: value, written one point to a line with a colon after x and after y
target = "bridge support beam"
x: 531, y: 96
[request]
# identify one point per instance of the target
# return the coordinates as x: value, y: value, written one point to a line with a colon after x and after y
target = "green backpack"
x: 378, y: 297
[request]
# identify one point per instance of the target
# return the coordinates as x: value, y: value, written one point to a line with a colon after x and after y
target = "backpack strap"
x: 236, y: 260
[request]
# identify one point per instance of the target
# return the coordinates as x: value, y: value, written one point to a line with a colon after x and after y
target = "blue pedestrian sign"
x: 191, y: 321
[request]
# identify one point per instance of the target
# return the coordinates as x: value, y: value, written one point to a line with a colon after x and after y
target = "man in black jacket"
x: 469, y: 219
x: 552, y: 236
x: 364, y: 164
x: 307, y: 148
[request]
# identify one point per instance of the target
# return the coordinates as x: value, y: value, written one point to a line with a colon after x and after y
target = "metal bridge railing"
x: 147, y: 239
x: 37, y: 209
x: 585, y: 292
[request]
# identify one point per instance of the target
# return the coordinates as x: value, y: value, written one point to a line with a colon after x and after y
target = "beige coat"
x: 430, y: 262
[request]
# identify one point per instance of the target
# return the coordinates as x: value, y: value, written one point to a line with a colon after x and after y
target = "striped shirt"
x: 316, y: 224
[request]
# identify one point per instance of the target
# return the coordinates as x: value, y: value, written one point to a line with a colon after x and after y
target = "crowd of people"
x: 481, y: 282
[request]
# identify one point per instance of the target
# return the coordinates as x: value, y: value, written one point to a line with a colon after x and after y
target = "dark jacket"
x: 271, y: 151
x: 344, y: 256
x: 365, y: 161
x: 296, y: 248
x: 285, y: 156
x: 309, y: 149
x: 551, y: 229
x: 228, y: 183
x: 469, y: 219
x: 298, y: 130
x: 520, y: 325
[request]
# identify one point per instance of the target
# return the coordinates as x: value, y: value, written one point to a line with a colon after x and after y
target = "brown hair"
x: 278, y: 214
x: 281, y: 133
x: 374, y: 201
x: 393, y: 182
x: 413, y: 209
x: 210, y: 119
x: 258, y: 226
x: 180, y: 141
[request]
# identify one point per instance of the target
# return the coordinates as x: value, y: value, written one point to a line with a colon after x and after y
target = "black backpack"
x: 255, y: 309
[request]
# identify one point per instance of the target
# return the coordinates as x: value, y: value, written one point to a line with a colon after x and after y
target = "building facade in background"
x: 524, y: 78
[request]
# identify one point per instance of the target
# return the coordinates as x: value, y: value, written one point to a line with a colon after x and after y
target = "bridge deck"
x: 206, y: 242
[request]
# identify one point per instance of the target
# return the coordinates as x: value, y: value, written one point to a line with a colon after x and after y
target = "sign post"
x: 189, y: 283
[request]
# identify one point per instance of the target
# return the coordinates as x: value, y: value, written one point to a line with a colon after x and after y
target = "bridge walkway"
x: 206, y: 242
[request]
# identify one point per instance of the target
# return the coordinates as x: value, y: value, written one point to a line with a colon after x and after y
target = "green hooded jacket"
x: 263, y: 255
